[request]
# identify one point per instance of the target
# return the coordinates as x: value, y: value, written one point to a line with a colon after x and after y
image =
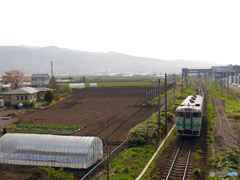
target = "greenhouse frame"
x: 54, y: 150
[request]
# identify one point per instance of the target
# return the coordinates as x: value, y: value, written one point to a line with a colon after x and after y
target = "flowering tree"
x: 16, y: 77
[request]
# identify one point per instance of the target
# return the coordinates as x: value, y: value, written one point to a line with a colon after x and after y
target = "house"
x: 39, y: 79
x: 31, y: 94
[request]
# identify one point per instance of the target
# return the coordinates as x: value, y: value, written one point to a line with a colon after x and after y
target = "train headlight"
x: 197, y: 110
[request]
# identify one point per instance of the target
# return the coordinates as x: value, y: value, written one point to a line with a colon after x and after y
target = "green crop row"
x: 45, y: 129
x: 228, y: 161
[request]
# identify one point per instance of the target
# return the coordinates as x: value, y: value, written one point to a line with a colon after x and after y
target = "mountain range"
x: 65, y: 61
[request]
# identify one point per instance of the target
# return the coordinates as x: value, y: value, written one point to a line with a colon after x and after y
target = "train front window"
x: 179, y: 114
x: 188, y: 115
x: 196, y: 115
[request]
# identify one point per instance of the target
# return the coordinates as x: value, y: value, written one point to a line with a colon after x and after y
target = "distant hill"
x: 37, y: 59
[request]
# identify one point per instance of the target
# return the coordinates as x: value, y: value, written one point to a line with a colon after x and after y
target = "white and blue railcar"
x: 189, y: 116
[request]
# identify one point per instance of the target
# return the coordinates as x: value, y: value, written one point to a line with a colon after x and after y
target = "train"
x: 188, y: 116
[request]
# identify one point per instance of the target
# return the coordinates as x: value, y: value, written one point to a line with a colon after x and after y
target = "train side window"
x: 197, y: 115
x: 179, y: 114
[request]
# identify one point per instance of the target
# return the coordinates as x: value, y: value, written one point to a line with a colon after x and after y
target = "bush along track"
x: 45, y: 129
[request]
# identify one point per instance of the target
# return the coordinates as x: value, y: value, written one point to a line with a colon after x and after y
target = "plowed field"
x: 102, y: 110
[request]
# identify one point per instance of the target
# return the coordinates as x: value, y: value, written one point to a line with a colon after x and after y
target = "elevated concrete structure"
x: 221, y: 72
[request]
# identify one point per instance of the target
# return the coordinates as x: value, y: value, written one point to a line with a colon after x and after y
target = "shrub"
x: 65, y: 95
x: 197, y: 171
x: 66, y: 89
x: 31, y: 104
x: 49, y: 96
x: 126, y: 170
x: 179, y: 96
x: 118, y: 169
x: 28, y: 104
x: 57, y: 97
x: 56, y: 174
x: 15, y: 105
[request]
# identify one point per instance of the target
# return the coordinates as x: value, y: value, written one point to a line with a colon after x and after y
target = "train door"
x: 188, y: 123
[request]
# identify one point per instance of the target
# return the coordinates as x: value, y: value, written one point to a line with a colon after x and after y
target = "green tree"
x: 53, y: 84
x: 67, y: 89
x: 49, y: 96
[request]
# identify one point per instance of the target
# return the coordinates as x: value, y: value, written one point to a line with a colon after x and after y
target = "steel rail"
x: 189, y: 153
x: 174, y: 160
x: 234, y: 141
x: 219, y: 120
x: 224, y: 113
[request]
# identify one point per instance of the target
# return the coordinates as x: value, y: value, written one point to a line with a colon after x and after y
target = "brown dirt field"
x: 99, y: 109
x: 122, y: 106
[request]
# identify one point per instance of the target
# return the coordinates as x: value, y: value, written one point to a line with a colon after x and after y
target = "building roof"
x: 39, y: 75
x: 26, y: 90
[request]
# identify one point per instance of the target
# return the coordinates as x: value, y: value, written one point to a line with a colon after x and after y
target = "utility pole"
x: 174, y: 84
x: 52, y: 68
x: 221, y: 81
x: 228, y: 84
x: 182, y: 83
x: 215, y: 79
x: 159, y: 96
x: 165, y: 104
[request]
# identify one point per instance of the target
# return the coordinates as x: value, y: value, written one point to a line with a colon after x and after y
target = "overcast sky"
x: 192, y: 30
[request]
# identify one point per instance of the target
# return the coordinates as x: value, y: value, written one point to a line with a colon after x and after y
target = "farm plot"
x: 101, y: 110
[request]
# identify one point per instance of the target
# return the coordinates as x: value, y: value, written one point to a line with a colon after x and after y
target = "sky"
x: 168, y: 30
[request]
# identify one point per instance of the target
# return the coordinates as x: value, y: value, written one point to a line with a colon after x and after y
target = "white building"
x: 39, y: 79
x: 93, y: 84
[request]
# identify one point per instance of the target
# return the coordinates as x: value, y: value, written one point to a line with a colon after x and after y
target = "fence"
x: 100, y: 166
x: 150, y: 95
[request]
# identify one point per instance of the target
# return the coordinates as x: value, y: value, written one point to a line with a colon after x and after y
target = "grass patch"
x: 227, y: 161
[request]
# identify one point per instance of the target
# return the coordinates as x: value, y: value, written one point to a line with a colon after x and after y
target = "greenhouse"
x: 77, y: 85
x: 54, y: 150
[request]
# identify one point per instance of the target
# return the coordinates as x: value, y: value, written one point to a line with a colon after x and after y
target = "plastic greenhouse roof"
x: 55, y: 150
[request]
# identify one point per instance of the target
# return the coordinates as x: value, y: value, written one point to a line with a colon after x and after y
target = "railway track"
x: 181, y: 161
x: 227, y: 131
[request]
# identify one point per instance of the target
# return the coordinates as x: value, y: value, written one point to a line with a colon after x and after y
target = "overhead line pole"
x: 228, y: 84
x: 159, y: 96
x: 182, y: 83
x: 221, y: 81
x: 215, y: 79
x: 174, y: 84
x: 165, y: 104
